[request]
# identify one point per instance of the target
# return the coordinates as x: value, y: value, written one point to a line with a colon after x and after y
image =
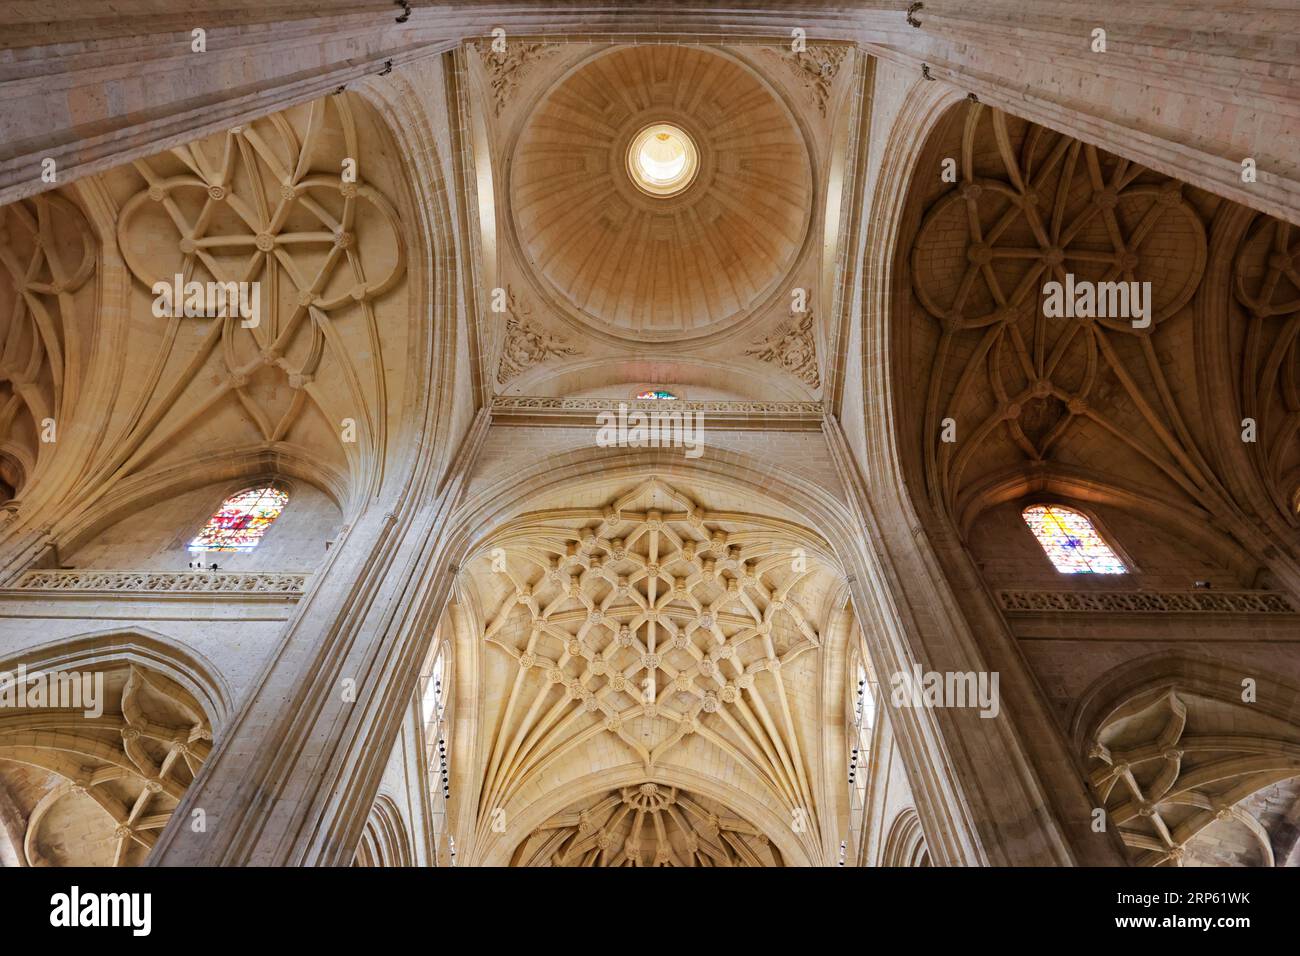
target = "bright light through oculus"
x: 662, y: 160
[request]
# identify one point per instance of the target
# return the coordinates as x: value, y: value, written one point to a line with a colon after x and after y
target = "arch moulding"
x: 971, y: 815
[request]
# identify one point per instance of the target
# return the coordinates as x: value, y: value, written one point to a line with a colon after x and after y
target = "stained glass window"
x: 1071, y: 542
x: 241, y: 520
x: 656, y: 394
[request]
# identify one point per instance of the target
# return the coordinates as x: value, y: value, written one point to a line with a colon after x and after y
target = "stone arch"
x: 97, y: 763
x: 1189, y: 766
x: 496, y: 516
x: 1082, y: 488
x: 523, y: 821
x: 1247, y: 365
x: 397, y: 102
x: 952, y: 634
x: 384, y: 843
x: 142, y: 646
x: 905, y: 842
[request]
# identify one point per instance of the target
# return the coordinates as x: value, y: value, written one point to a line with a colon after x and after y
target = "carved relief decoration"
x: 526, y: 343
x: 793, y: 348
x: 646, y: 825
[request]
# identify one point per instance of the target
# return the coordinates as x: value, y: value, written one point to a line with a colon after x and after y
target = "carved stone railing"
x: 1147, y: 602
x: 165, y: 582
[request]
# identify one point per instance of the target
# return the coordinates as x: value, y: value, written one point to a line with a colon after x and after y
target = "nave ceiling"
x: 1188, y: 419
x: 658, y: 665
x: 309, y: 386
x: 635, y: 633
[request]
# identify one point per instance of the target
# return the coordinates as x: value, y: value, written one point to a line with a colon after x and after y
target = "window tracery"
x: 434, y: 698
x: 861, y: 720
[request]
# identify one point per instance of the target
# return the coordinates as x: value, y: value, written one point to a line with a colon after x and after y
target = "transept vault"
x: 940, y: 362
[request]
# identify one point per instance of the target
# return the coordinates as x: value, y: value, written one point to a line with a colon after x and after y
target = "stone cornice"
x: 582, y: 412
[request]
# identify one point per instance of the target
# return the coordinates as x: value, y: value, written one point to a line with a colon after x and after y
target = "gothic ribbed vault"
x: 369, y: 580
x: 644, y: 630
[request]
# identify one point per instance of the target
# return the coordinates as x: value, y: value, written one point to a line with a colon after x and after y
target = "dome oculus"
x: 662, y: 160
x: 664, y: 253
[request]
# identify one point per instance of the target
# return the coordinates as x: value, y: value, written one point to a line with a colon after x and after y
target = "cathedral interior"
x: 643, y: 434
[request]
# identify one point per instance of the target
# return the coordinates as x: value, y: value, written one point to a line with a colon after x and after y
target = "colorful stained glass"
x: 656, y: 395
x: 1071, y: 542
x: 241, y: 521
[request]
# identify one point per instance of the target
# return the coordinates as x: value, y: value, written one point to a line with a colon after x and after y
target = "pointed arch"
x: 123, y: 723
x: 142, y: 646
x: 905, y: 844
x: 384, y: 843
